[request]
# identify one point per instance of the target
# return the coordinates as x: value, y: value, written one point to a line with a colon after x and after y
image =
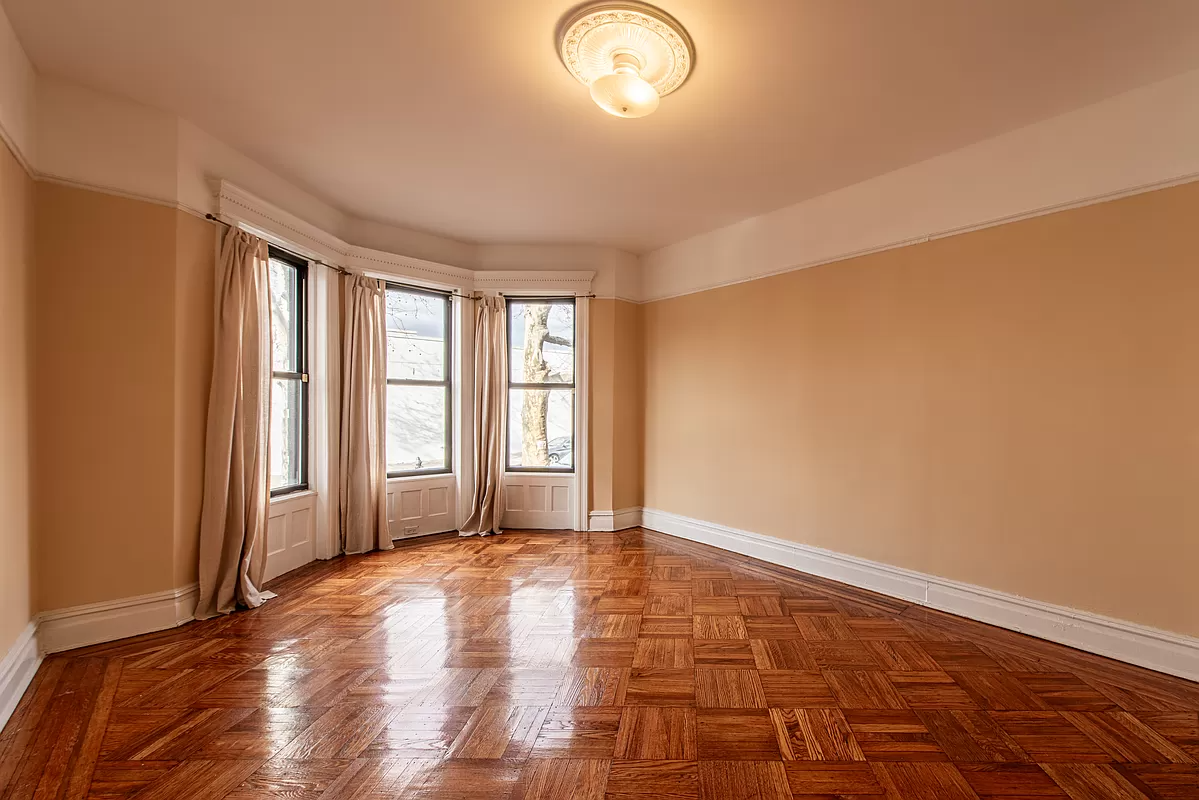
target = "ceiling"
x: 455, y: 117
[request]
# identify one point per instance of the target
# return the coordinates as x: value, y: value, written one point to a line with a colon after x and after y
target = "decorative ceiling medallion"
x: 629, y: 53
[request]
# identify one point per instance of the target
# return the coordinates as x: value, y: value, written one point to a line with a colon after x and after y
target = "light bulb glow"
x: 624, y: 95
x: 628, y: 53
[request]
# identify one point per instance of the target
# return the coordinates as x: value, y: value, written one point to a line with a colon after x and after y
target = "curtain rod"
x: 343, y: 271
x: 334, y: 267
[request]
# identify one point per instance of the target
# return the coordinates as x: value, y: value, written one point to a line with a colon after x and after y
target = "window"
x: 418, y: 382
x: 289, y: 365
x: 541, y: 384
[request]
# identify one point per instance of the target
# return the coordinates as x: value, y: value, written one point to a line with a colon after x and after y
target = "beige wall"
x: 616, y: 430
x: 627, y: 405
x: 104, y: 353
x: 123, y: 327
x: 16, y: 270
x: 1016, y: 408
x: 195, y: 274
x: 602, y: 359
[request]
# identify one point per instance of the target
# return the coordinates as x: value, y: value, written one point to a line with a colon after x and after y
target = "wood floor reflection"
x: 627, y: 666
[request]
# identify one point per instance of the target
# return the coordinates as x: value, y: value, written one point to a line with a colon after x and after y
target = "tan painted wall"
x: 616, y: 402
x: 602, y: 360
x: 195, y: 247
x: 104, y: 354
x: 1016, y: 408
x: 123, y: 352
x: 16, y: 272
x: 628, y: 403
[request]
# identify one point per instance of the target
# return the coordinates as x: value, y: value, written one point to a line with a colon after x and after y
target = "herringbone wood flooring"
x: 627, y: 666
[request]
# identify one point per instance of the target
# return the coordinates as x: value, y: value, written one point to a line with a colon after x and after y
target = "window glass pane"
x: 541, y: 428
x: 543, y: 342
x: 416, y: 335
x: 287, y: 422
x: 284, y: 282
x: 416, y: 427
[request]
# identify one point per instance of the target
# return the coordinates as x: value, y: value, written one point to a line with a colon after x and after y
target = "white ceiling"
x: 455, y: 116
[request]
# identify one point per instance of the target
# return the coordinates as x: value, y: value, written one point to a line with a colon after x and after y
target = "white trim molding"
x: 251, y: 212
x: 239, y: 207
x: 80, y: 626
x: 1125, y: 641
x: 618, y: 520
x: 17, y: 669
x: 535, y: 282
x: 580, y: 503
x: 1139, y: 141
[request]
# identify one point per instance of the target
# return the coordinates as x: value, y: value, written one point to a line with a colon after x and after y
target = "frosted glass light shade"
x: 624, y: 95
x: 628, y: 52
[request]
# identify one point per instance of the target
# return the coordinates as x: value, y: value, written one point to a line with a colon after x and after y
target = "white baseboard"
x: 80, y: 626
x: 17, y: 669
x: 617, y: 520
x: 1125, y: 641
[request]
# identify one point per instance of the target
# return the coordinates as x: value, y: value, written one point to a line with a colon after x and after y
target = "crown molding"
x: 273, y: 223
x: 240, y: 207
x: 112, y: 191
x: 1154, y: 186
x: 251, y: 212
x: 535, y: 282
x: 384, y: 265
x: 1145, y: 142
x: 1140, y: 141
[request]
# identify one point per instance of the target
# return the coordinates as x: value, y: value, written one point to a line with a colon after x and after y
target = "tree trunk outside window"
x: 534, y: 410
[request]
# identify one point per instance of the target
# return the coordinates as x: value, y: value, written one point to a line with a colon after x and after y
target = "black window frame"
x: 300, y: 331
x: 574, y: 374
x: 447, y: 382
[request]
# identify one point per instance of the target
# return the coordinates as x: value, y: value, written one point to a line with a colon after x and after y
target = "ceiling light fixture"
x: 630, y: 54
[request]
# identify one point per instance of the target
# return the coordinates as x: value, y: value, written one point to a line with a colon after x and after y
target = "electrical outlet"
x: 411, y: 530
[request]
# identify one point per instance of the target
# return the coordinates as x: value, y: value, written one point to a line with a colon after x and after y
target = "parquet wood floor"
x: 625, y: 666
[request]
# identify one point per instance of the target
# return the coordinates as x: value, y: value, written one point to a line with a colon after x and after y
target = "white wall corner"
x: 81, y: 626
x: 618, y: 520
x: 1141, y: 645
x: 17, y: 669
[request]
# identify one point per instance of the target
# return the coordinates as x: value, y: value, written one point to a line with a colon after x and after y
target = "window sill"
x: 296, y: 495
x: 424, y: 477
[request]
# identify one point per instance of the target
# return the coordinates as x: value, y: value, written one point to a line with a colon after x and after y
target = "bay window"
x: 541, y: 384
x: 419, y: 403
x: 288, y: 284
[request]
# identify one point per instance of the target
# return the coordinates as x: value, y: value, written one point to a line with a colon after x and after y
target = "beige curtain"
x: 490, y: 413
x: 363, y: 499
x: 233, y: 519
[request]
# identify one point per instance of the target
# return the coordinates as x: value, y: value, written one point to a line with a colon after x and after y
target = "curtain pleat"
x: 363, y: 493
x: 234, y: 515
x: 490, y: 413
